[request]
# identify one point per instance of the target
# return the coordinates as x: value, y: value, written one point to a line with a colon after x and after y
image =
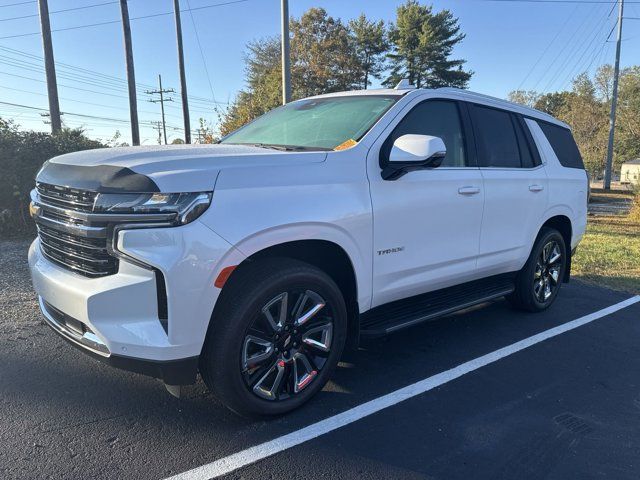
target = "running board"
x: 411, y: 311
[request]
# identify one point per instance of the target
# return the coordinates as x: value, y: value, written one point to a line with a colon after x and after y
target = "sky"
x: 509, y: 45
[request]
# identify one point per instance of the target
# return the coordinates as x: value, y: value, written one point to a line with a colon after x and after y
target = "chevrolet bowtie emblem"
x: 34, y: 210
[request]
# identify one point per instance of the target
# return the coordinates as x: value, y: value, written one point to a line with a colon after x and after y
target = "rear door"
x: 516, y: 188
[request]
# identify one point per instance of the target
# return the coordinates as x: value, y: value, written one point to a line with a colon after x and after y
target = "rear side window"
x: 525, y: 149
x: 496, y: 138
x: 563, y: 145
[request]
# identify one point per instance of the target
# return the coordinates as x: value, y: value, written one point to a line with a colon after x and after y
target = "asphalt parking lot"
x: 566, y: 407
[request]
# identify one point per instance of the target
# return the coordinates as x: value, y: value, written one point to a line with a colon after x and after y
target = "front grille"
x: 69, y: 235
x: 65, y: 197
x: 76, y: 237
x: 88, y: 257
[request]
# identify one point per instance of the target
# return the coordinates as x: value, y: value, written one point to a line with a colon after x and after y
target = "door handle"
x: 536, y: 188
x: 468, y: 190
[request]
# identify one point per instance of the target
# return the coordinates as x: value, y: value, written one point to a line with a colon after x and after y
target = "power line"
x: 59, y: 11
x: 566, y: 45
x: 77, y: 101
x: 81, y: 115
x: 82, y: 80
x: 111, y: 22
x: 204, y: 61
x: 108, y: 81
x: 598, y: 54
x: 16, y: 4
x: 577, y: 44
x: 573, y: 71
x: 548, y: 46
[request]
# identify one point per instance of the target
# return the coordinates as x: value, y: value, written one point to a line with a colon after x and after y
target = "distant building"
x: 630, y: 172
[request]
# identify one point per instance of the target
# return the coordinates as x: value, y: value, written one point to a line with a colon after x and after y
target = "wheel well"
x: 331, y: 259
x: 562, y: 224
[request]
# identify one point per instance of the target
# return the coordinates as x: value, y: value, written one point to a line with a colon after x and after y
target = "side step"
x: 411, y: 311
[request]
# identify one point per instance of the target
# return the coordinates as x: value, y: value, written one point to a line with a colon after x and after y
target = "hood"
x: 171, y: 168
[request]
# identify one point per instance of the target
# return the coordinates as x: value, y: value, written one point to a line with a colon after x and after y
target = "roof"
x: 632, y: 162
x: 372, y: 91
x: 501, y: 103
x: 455, y: 92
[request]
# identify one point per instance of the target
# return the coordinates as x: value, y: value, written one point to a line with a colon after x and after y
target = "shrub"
x: 22, y: 153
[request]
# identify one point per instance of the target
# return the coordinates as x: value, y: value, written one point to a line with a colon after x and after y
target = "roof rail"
x: 480, y: 96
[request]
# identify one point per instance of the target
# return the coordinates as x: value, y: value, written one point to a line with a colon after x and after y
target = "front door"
x: 426, y: 224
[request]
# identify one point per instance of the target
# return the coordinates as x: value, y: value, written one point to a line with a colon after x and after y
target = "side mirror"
x: 414, y: 152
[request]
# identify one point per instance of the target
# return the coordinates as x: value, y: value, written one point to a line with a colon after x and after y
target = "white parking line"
x: 251, y: 455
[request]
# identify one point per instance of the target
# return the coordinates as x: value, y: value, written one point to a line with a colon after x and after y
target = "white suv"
x: 333, y: 218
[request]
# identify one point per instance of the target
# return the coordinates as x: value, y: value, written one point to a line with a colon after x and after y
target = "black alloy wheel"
x: 546, y: 278
x: 287, y: 344
x: 276, y: 335
x: 538, y: 283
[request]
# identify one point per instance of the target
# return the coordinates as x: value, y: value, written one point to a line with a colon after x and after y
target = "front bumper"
x: 115, y: 318
x: 171, y: 372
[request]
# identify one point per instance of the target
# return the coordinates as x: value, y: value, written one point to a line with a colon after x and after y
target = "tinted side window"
x: 496, y: 138
x: 563, y: 145
x: 525, y: 152
x: 438, y: 118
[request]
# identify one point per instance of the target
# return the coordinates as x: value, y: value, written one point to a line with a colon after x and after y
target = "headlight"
x: 186, y: 206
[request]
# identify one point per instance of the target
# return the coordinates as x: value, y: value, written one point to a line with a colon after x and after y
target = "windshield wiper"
x: 272, y: 146
x: 283, y: 148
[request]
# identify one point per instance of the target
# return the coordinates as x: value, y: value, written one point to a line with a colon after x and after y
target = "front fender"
x: 271, y: 237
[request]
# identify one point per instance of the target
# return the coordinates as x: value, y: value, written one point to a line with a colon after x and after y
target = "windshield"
x: 332, y: 123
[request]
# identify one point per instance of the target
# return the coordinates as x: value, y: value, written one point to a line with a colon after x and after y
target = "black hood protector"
x: 100, y: 178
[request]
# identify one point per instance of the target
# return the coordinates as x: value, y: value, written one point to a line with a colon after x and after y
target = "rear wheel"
x: 275, y: 338
x: 538, y: 283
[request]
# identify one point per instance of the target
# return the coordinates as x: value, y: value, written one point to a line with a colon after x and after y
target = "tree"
x: 370, y: 40
x: 627, y: 139
x: 552, y: 103
x: 524, y: 97
x: 585, y: 108
x: 264, y: 87
x: 323, y: 56
x: 323, y: 60
x: 206, y: 133
x: 22, y: 153
x: 588, y: 117
x: 329, y: 56
x: 422, y: 45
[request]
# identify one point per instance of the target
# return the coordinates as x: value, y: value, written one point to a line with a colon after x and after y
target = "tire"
x: 538, y: 283
x: 259, y: 363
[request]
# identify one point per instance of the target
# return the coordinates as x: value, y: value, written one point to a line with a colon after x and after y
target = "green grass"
x: 609, y: 254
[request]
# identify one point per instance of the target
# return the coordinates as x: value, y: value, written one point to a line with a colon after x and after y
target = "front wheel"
x: 276, y: 337
x: 538, y: 283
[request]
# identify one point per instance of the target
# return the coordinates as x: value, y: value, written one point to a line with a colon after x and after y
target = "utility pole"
x: 161, y: 101
x: 286, y: 61
x: 131, y: 76
x: 614, y: 101
x: 158, y: 127
x: 50, y: 67
x: 183, y: 78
